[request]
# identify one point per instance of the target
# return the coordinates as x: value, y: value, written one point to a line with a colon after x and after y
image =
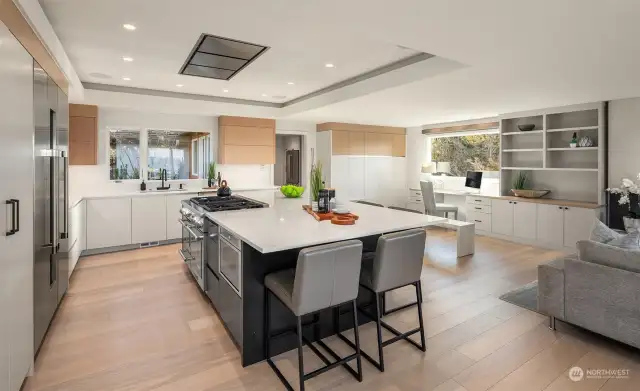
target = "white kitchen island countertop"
x: 285, y: 225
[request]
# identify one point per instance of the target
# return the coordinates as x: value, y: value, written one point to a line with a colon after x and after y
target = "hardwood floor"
x: 136, y: 321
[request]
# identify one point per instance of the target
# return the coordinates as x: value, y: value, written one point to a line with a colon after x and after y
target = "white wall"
x: 624, y: 140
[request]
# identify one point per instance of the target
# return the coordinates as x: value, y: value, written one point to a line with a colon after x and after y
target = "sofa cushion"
x: 630, y: 241
x: 602, y: 234
x: 604, y: 254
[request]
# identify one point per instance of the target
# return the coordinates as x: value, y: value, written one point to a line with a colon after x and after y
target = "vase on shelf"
x: 574, y: 140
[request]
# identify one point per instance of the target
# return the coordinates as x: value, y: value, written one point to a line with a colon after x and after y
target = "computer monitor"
x: 474, y: 179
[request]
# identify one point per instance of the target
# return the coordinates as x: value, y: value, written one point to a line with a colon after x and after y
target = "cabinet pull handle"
x: 478, y: 221
x: 13, y: 230
x: 478, y: 208
x: 560, y: 207
x: 514, y: 202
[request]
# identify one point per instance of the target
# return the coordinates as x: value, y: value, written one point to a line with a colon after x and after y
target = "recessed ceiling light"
x: 129, y: 27
x: 329, y: 65
x: 127, y: 59
x: 179, y: 85
x: 290, y: 83
x: 264, y: 95
x: 225, y: 90
x: 126, y: 78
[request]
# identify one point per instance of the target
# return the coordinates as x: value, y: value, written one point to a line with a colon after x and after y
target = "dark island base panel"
x: 255, y: 267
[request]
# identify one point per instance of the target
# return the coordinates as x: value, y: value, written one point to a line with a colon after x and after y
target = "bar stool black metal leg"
x: 300, y: 360
x: 379, y: 327
x: 423, y: 344
x: 357, y: 338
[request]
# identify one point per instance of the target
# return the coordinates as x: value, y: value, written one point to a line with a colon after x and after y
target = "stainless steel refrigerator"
x: 292, y: 167
x: 51, y: 223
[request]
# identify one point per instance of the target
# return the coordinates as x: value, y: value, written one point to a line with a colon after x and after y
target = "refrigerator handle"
x: 16, y: 216
x: 12, y: 231
x: 65, y: 234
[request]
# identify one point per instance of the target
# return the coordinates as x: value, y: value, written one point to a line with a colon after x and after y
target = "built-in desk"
x: 457, y: 197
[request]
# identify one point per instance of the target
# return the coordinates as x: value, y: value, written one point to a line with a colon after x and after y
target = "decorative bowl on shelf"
x: 530, y: 193
x: 526, y: 128
x: 292, y: 191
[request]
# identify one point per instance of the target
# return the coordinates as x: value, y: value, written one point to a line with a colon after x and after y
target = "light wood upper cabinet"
x: 243, y: 140
x: 340, y: 142
x: 356, y: 143
x: 399, y: 145
x: 83, y: 134
x: 378, y: 144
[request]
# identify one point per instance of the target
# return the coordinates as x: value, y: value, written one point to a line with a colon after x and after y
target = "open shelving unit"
x: 544, y: 152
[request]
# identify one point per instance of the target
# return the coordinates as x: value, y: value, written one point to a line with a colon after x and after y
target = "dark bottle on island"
x: 143, y: 186
x: 219, y: 179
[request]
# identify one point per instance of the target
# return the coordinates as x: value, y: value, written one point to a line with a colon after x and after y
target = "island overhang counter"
x: 268, y: 240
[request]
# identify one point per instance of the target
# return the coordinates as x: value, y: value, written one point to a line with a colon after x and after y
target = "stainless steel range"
x: 200, y: 236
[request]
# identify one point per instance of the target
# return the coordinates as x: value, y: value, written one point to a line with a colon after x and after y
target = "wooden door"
x: 550, y: 225
x: 502, y: 217
x: 339, y: 142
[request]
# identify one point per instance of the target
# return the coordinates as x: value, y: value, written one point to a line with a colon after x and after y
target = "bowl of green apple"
x: 292, y: 191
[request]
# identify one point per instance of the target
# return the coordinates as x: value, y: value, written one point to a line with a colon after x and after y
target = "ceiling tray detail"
x: 220, y: 58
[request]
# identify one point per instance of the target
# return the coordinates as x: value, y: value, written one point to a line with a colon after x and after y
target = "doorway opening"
x: 288, y: 166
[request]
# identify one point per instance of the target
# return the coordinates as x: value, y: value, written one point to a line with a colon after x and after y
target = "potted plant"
x: 628, y: 192
x: 316, y: 184
x: 211, y: 174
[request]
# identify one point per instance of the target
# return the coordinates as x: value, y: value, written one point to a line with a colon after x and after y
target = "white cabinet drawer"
x: 417, y: 206
x: 475, y: 200
x: 479, y: 208
x: 415, y: 193
x: 415, y: 199
x: 481, y: 220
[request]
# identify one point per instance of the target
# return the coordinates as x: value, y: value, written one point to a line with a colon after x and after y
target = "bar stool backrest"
x: 398, y: 260
x: 326, y: 276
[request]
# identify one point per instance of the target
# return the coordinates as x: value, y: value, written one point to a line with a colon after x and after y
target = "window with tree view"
x: 124, y: 155
x: 183, y: 154
x: 467, y: 153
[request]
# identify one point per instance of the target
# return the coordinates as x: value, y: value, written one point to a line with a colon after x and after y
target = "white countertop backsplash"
x: 285, y: 225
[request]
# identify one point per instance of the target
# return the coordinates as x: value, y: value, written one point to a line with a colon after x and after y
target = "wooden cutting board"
x: 340, y: 219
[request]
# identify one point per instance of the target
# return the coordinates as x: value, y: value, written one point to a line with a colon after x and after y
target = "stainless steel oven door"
x: 231, y: 264
x: 192, y: 250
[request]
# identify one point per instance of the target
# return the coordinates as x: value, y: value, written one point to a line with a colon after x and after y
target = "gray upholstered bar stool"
x: 325, y: 277
x: 397, y: 263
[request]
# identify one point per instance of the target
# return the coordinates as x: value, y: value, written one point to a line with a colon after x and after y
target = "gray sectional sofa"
x: 598, y: 289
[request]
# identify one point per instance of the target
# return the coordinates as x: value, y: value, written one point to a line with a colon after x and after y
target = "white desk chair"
x: 430, y: 205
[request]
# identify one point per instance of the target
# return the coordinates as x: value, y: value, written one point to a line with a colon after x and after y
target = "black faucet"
x: 163, y: 177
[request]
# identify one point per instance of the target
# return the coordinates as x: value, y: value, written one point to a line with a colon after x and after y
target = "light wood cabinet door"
x: 339, y: 142
x: 246, y: 135
x: 249, y: 154
x: 378, y: 144
x: 578, y: 223
x: 399, y: 145
x: 502, y: 217
x: 356, y: 143
x: 148, y: 219
x: 525, y: 217
x: 550, y: 225
x: 83, y: 140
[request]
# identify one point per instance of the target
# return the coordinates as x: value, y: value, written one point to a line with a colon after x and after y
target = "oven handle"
x: 198, y: 237
x: 184, y: 257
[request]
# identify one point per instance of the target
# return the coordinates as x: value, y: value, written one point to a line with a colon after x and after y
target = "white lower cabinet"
x: 108, y: 222
x: 525, y: 217
x: 502, y: 217
x: 174, y: 203
x: 550, y: 230
x: 148, y: 219
x: 578, y: 223
x: 77, y: 237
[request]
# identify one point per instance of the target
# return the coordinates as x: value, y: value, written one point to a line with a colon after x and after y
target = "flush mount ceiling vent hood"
x: 220, y: 58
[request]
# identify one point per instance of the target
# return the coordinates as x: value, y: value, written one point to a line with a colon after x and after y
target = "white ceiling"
x: 92, y: 34
x: 518, y: 54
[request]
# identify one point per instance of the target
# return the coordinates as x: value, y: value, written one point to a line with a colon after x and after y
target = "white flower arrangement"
x: 626, y: 188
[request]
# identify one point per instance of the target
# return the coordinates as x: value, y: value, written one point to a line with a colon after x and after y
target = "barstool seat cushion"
x: 281, y: 284
x: 446, y: 207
